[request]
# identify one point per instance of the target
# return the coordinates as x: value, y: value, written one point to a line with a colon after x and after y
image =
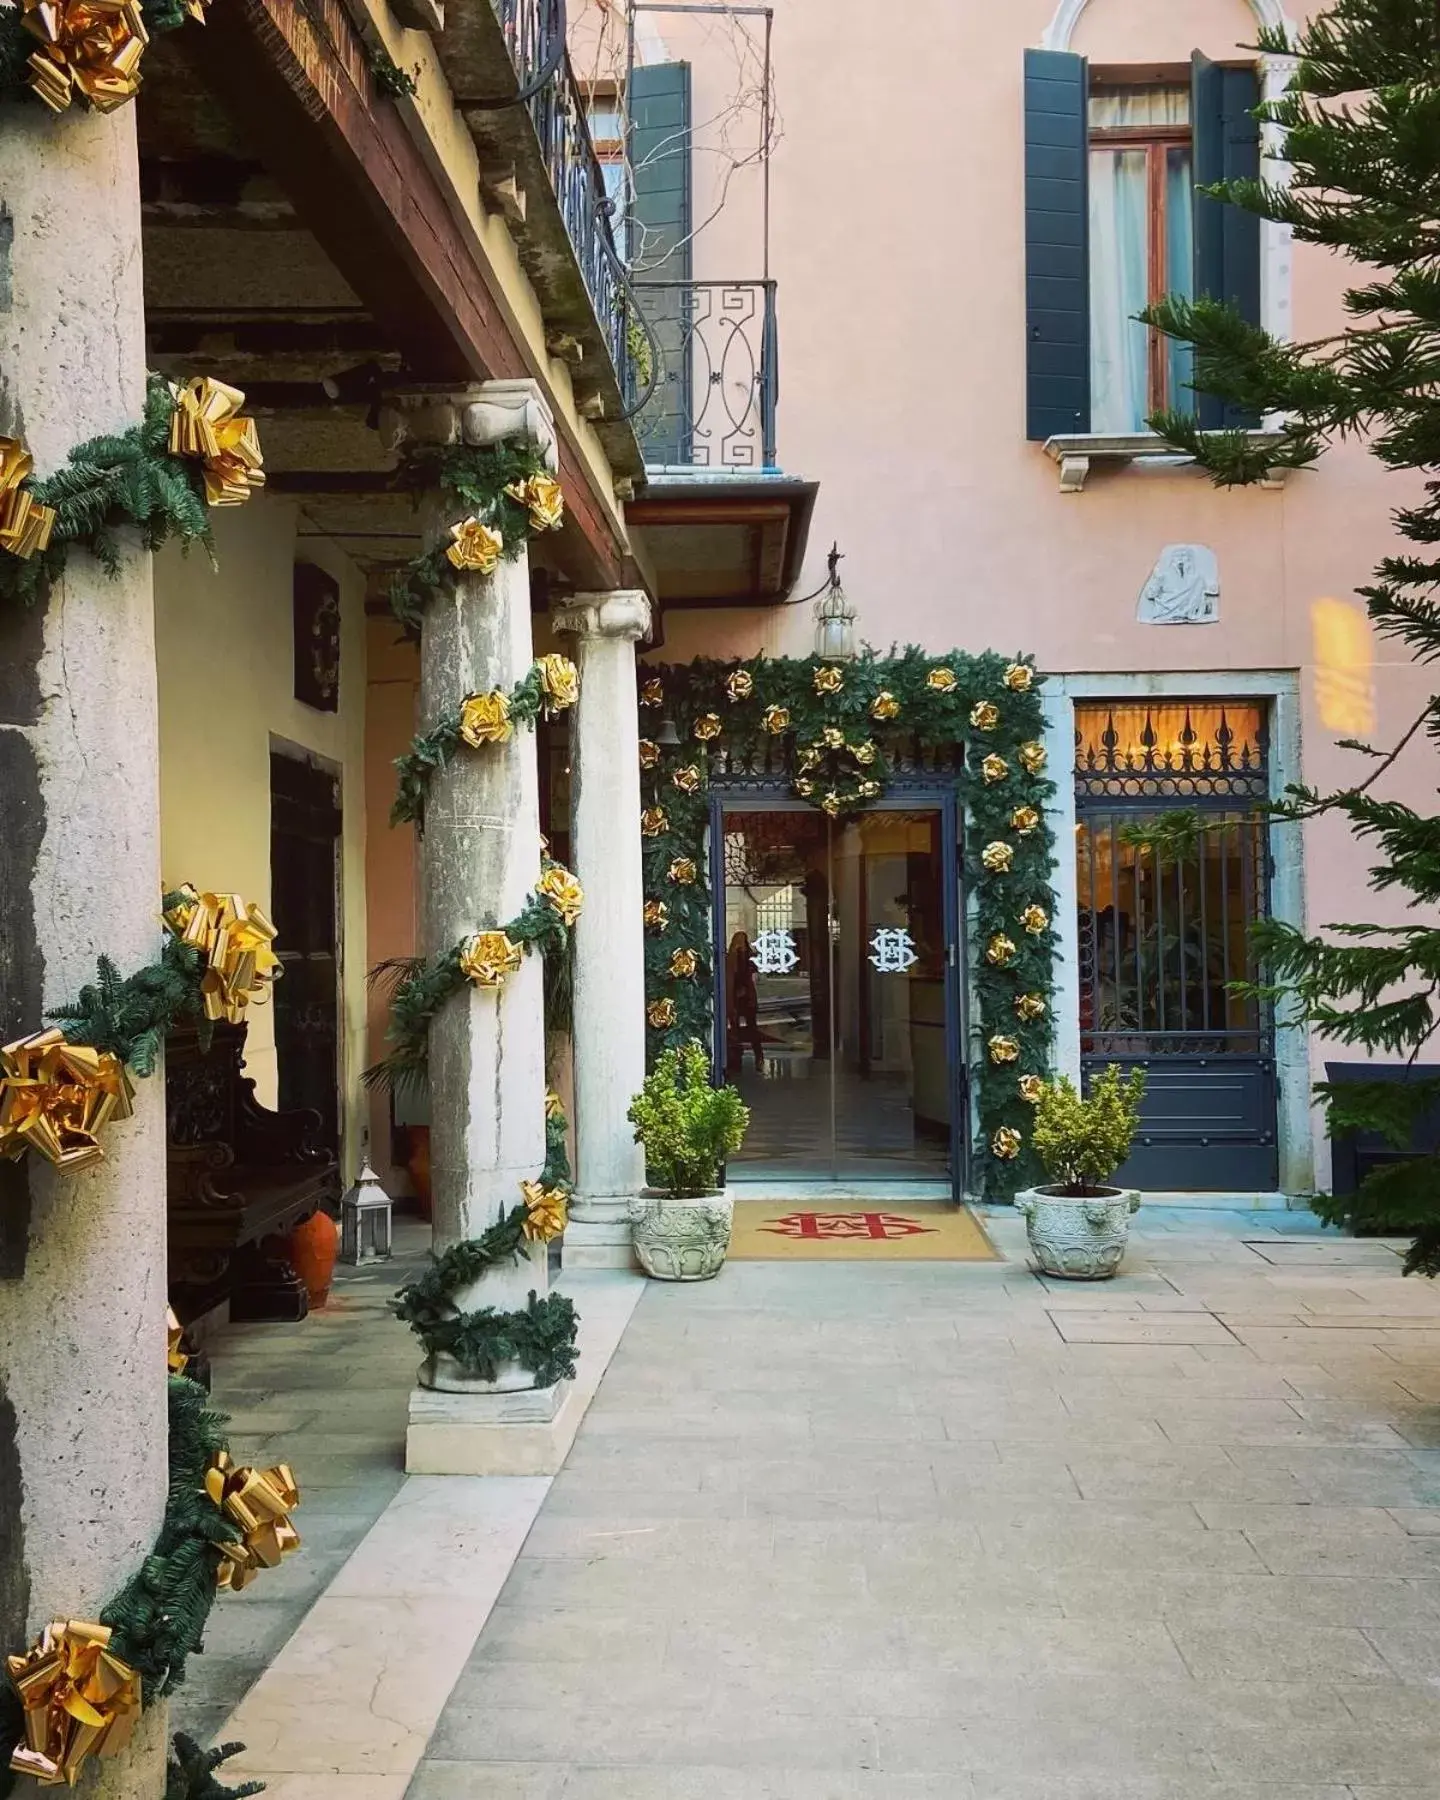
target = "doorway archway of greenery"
x: 836, y: 731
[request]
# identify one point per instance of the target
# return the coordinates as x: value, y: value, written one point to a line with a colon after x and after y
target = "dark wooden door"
x: 305, y: 822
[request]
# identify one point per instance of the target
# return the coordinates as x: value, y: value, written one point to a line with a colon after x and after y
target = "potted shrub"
x: 1078, y: 1226
x: 682, y: 1219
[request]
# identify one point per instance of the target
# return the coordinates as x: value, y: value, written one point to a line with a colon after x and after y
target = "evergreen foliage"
x: 130, y: 1015
x: 431, y: 750
x: 421, y: 988
x: 540, y: 1336
x: 108, y: 483
x: 688, y: 1128
x: 190, y: 1773
x: 158, y: 1617
x: 1083, y: 1141
x: 930, y: 719
x: 476, y: 479
x: 1361, y: 127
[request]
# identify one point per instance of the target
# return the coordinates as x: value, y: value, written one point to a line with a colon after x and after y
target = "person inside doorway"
x: 742, y: 1006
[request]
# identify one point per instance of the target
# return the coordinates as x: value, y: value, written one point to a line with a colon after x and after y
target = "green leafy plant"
x: 687, y: 1126
x: 1358, y: 122
x: 1083, y: 1140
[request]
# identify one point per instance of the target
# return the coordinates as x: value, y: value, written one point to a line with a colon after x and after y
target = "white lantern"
x: 365, y: 1219
x: 834, y: 618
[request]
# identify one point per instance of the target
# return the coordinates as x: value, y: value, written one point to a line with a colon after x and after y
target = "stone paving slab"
x: 834, y: 1532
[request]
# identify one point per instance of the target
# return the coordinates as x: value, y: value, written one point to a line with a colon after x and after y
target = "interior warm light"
x: 1344, y: 667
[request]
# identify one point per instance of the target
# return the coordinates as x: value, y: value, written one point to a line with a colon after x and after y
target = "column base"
x: 523, y: 1433
x: 598, y: 1235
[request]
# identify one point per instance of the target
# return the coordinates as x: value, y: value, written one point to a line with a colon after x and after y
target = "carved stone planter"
x: 1078, y: 1238
x: 682, y: 1240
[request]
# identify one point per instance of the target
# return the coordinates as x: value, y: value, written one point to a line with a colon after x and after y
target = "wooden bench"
x: 239, y: 1179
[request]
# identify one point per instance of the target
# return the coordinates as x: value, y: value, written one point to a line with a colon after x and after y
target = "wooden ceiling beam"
x: 343, y: 155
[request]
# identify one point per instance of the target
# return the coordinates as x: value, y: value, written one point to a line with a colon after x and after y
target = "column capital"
x: 478, y: 413
x: 620, y: 613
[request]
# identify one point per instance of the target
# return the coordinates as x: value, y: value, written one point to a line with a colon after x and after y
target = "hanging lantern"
x: 834, y: 618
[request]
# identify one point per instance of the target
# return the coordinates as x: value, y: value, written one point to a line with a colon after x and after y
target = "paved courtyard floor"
x: 895, y: 1532
x: 842, y: 1531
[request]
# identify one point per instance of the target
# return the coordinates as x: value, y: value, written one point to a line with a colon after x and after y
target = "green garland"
x: 431, y: 750
x: 17, y: 45
x: 109, y: 482
x: 476, y: 479
x: 158, y: 1618
x: 887, y: 703
x: 190, y: 1772
x: 539, y: 1336
x: 421, y: 988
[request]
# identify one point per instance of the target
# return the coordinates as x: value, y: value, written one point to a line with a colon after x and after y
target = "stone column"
x: 610, y: 935
x: 479, y: 860
x: 82, y: 1257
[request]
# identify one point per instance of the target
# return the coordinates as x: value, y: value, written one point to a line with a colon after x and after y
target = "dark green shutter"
x: 661, y: 203
x: 1057, y: 264
x: 1227, y: 239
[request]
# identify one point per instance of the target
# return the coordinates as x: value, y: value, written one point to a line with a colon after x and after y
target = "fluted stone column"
x: 479, y: 860
x: 609, y: 939
x: 82, y: 1256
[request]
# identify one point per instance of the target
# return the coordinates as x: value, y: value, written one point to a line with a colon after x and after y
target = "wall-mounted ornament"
x: 317, y: 638
x: 1182, y: 589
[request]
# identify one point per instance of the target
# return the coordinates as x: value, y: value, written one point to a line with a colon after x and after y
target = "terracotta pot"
x: 418, y: 1165
x: 313, y: 1247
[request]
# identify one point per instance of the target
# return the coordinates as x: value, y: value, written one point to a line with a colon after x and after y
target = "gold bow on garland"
x: 90, y: 47
x: 25, y: 525
x: 208, y: 424
x: 235, y: 941
x: 56, y: 1098
x: 259, y: 1502
x: 78, y: 1700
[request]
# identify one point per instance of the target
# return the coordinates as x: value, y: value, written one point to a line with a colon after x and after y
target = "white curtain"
x: 1118, y: 290
x: 1119, y: 233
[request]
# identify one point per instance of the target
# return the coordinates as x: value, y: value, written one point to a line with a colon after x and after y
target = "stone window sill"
x: 1076, y: 451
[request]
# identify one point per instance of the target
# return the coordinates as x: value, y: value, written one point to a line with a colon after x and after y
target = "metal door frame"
x: 740, y: 796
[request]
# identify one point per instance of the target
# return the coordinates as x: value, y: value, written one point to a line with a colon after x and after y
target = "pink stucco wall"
x: 896, y: 241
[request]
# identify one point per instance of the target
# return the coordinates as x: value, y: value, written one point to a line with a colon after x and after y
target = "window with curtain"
x: 1141, y: 200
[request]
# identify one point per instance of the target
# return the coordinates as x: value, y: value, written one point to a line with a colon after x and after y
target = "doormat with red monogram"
x: 913, y: 1231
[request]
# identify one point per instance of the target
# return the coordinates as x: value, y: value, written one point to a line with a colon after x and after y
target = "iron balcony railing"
x: 716, y: 383
x: 535, y: 36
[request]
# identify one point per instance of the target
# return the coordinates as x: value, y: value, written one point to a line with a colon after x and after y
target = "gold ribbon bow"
x: 79, y: 1701
x: 489, y: 958
x: 235, y: 941
x: 92, y: 45
x: 207, y: 422
x: 176, y: 1359
x: 25, y: 525
x: 259, y: 1502
x: 545, y: 1211
x: 56, y: 1098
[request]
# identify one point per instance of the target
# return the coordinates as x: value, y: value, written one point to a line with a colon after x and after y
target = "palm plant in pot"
x: 682, y: 1220
x: 1078, y: 1225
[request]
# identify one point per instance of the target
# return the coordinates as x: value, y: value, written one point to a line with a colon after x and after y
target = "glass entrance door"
x: 836, y: 1014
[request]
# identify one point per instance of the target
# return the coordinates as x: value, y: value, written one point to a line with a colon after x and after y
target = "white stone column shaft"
x: 479, y: 860
x: 82, y: 1316
x: 609, y: 938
